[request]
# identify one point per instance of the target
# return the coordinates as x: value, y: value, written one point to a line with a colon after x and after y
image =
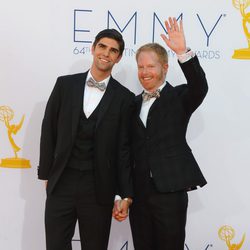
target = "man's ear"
x: 92, y: 49
x: 165, y: 67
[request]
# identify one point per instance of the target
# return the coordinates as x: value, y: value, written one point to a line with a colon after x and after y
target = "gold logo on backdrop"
x: 227, y: 233
x: 6, y: 115
x: 242, y: 5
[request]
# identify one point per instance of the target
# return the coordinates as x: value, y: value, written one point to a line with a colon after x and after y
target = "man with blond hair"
x: 164, y: 166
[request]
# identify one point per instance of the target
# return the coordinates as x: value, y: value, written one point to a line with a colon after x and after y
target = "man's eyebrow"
x: 102, y: 44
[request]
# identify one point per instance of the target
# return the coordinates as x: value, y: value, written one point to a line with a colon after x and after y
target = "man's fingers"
x: 167, y: 26
x: 165, y: 39
x: 176, y: 26
x: 170, y: 20
x: 120, y: 217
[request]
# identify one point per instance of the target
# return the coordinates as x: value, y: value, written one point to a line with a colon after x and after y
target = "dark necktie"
x: 92, y: 83
x: 146, y: 96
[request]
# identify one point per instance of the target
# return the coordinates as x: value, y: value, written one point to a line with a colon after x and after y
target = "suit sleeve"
x: 197, y: 87
x: 124, y: 150
x: 49, y: 132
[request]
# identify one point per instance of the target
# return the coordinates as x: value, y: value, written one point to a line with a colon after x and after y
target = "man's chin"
x: 105, y: 68
x: 146, y: 86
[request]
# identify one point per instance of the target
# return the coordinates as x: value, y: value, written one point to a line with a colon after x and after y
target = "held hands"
x: 176, y: 38
x: 120, y: 210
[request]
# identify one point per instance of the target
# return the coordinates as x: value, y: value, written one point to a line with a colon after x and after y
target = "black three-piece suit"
x: 164, y: 166
x: 109, y: 173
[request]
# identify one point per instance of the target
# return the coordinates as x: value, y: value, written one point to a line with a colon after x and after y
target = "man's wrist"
x: 185, y: 56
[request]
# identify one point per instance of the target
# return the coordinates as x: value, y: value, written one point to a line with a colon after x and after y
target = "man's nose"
x: 106, y: 52
x: 144, y: 70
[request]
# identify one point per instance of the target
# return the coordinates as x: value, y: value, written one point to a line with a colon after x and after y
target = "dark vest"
x: 82, y: 154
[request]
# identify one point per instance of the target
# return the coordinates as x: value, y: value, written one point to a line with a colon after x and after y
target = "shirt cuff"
x: 186, y: 56
x: 117, y: 197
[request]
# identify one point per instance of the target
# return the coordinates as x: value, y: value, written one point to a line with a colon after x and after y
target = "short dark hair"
x: 113, y: 34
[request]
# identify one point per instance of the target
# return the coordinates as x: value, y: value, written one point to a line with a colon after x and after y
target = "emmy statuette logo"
x: 6, y: 115
x: 242, y: 5
x: 227, y: 233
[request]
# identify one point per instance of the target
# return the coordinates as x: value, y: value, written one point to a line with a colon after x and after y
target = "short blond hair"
x: 155, y: 47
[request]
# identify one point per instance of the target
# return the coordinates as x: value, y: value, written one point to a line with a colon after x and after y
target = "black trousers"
x: 158, y: 221
x: 74, y: 199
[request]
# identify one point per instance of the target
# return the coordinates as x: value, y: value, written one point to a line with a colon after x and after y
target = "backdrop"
x: 41, y: 40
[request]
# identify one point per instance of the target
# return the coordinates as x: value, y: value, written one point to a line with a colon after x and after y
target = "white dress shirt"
x: 92, y: 96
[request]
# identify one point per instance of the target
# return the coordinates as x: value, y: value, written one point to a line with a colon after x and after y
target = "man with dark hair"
x: 84, y: 154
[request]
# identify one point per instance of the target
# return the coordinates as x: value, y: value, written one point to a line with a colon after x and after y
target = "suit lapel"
x: 161, y: 104
x: 77, y: 100
x: 106, y: 100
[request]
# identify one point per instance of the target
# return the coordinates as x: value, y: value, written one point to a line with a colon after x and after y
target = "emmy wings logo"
x: 227, y: 233
x: 241, y: 6
x: 6, y: 115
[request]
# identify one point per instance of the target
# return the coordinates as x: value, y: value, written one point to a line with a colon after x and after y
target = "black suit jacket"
x: 161, y: 147
x: 111, y: 139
